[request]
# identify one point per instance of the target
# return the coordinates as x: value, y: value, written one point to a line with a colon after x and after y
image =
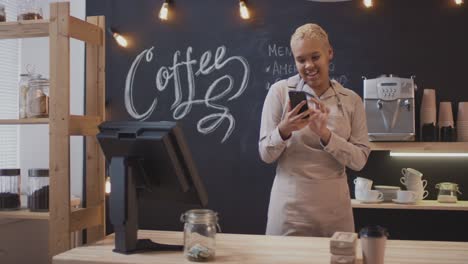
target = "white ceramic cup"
x: 371, y: 195
x: 407, y: 182
x: 409, y: 172
x: 360, y: 185
x: 407, y: 196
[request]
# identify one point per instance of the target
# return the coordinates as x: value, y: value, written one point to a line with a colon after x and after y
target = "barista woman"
x: 310, y: 195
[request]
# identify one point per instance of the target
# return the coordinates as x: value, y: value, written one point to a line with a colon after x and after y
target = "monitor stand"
x: 124, y: 210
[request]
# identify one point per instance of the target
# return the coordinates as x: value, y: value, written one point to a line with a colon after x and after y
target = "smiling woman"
x: 310, y: 195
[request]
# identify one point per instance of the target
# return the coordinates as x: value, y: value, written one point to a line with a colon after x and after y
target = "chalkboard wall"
x: 211, y: 70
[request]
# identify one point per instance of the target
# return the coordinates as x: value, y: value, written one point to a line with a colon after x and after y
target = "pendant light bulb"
x: 108, y: 185
x: 244, y: 11
x: 121, y: 40
x: 458, y: 2
x: 368, y: 3
x: 164, y: 12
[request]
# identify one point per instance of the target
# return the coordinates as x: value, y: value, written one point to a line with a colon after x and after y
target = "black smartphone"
x: 296, y: 97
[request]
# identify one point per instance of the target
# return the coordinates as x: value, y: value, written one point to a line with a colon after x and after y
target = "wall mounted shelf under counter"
x: 422, y: 205
x: 421, y: 146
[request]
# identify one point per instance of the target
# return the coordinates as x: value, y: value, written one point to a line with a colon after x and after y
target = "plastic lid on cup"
x: 373, y: 231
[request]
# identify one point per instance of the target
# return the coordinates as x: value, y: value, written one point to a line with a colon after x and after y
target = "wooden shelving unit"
x: 63, y: 219
x: 24, y: 121
x: 24, y: 214
x: 422, y: 205
x: 421, y: 146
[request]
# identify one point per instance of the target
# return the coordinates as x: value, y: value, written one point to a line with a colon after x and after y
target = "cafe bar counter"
x: 245, y: 249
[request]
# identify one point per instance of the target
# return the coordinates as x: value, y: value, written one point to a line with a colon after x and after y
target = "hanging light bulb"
x: 121, y: 40
x: 164, y: 12
x: 108, y: 185
x: 458, y: 2
x: 368, y: 3
x: 244, y: 11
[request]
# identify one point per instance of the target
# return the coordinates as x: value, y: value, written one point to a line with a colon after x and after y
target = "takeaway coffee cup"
x: 373, y: 240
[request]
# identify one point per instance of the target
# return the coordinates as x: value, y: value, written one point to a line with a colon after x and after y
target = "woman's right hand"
x: 293, y: 121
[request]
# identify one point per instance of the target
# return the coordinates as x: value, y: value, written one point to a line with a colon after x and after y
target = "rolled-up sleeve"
x: 271, y: 145
x: 352, y: 153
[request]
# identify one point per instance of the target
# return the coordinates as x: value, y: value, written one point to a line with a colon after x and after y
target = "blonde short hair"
x: 310, y: 31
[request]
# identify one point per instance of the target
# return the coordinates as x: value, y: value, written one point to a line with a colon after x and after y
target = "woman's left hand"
x: 318, y: 120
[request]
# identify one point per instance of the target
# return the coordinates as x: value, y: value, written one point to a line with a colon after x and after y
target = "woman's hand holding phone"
x: 293, y: 120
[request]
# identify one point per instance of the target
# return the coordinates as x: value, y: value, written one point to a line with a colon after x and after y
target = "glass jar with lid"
x: 200, y: 234
x: 38, y: 193
x: 29, y: 10
x: 38, y: 97
x: 448, y: 192
x: 2, y: 13
x: 22, y: 94
x: 10, y: 181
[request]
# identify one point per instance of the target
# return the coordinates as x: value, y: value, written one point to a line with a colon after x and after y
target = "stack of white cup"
x: 462, y: 122
x: 363, y: 192
x: 413, y: 181
x: 428, y: 107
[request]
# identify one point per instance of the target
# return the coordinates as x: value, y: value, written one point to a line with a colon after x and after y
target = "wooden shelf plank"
x: 24, y: 214
x: 84, y: 125
x: 85, y: 31
x: 422, y: 205
x: 24, y: 121
x: 24, y: 29
x: 421, y: 146
x: 85, y: 218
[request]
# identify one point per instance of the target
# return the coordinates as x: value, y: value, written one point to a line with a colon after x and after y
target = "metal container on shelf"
x: 38, y: 193
x: 38, y: 97
x: 10, y: 183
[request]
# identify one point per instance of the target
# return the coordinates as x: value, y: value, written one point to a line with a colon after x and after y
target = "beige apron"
x: 305, y: 207
x: 310, y: 194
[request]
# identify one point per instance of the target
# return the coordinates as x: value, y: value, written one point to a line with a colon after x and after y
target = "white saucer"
x: 370, y: 201
x: 401, y: 202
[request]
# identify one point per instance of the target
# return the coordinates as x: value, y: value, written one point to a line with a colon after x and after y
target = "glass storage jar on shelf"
x: 2, y: 13
x: 200, y: 234
x: 10, y: 181
x: 22, y: 94
x: 38, y: 193
x: 38, y: 97
x: 29, y: 10
x: 448, y: 192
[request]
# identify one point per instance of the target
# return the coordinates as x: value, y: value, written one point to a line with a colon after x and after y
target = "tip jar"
x: 200, y: 234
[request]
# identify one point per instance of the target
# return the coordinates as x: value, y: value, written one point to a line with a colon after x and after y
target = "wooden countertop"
x: 246, y: 249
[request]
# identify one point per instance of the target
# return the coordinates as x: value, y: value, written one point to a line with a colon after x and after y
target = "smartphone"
x: 296, y: 97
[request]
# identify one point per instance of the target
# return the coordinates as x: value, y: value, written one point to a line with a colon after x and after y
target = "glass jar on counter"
x: 10, y: 181
x: 38, y: 97
x: 2, y: 13
x: 200, y: 234
x: 22, y: 94
x: 29, y: 10
x: 38, y: 193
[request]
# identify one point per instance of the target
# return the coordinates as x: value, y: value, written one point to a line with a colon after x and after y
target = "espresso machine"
x: 389, y: 104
